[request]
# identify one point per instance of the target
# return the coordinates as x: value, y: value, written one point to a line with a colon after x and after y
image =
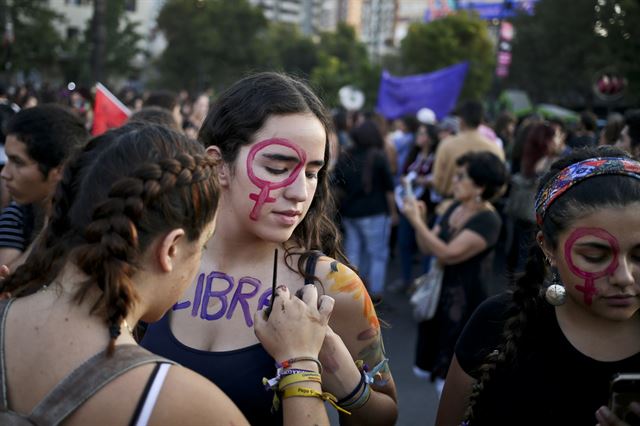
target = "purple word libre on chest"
x: 220, y: 286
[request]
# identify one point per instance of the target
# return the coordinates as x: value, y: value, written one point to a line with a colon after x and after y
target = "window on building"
x: 130, y: 5
x: 72, y: 33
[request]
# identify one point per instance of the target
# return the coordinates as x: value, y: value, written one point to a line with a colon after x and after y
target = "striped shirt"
x: 12, y: 227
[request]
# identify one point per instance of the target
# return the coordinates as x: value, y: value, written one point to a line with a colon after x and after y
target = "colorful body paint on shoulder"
x: 267, y: 186
x: 589, y: 289
x: 345, y: 280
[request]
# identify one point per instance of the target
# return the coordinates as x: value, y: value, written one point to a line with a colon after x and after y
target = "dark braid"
x: 112, y: 244
x: 113, y: 213
x: 525, y: 303
x: 527, y: 299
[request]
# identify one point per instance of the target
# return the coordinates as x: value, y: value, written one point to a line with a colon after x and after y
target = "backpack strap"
x: 310, y: 267
x: 83, y: 382
x: 4, y: 310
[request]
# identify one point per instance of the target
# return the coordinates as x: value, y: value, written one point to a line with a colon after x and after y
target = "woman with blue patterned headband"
x: 545, y: 352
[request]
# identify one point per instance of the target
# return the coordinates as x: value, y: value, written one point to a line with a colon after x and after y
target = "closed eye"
x: 276, y: 171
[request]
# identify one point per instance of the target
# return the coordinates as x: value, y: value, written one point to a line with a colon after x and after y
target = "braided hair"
x: 527, y: 292
x: 117, y: 196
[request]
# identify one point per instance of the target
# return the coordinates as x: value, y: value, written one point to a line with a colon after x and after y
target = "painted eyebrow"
x: 291, y: 159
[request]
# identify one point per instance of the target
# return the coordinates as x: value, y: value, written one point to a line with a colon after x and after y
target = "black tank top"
x: 237, y: 373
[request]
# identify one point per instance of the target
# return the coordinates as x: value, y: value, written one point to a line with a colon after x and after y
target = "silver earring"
x: 478, y: 199
x: 556, y: 294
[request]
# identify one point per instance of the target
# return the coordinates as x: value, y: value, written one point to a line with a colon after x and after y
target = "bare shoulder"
x: 188, y: 398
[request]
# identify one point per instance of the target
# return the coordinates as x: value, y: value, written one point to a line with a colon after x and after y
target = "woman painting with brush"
x: 270, y: 133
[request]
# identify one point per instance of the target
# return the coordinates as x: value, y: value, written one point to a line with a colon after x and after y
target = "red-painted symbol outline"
x: 589, y: 289
x: 267, y: 186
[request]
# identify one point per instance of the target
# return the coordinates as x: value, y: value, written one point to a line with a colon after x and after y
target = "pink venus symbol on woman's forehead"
x: 267, y: 186
x: 589, y: 288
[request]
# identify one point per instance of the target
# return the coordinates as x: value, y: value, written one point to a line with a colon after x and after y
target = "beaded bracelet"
x: 307, y: 392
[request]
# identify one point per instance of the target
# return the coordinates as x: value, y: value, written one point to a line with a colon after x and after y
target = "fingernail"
x: 604, y: 412
x: 281, y: 287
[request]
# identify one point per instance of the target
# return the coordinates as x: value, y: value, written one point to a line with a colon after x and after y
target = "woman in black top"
x: 521, y: 360
x: 461, y: 243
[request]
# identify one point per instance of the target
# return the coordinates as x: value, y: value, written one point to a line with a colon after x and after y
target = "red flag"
x: 108, y: 111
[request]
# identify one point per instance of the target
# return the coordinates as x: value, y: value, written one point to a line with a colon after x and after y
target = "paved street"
x: 417, y: 398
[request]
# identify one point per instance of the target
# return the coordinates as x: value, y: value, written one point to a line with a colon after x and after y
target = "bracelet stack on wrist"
x: 285, y: 383
x: 359, y: 396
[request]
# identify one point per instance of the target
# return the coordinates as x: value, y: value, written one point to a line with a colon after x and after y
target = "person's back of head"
x: 163, y: 99
x: 6, y: 114
x: 367, y: 136
x: 588, y: 121
x: 51, y: 134
x: 155, y: 115
x: 537, y: 145
x: 471, y: 114
x: 632, y: 122
x: 131, y: 186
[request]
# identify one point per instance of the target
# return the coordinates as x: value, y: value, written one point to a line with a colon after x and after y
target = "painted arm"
x: 355, y: 336
x: 455, y: 395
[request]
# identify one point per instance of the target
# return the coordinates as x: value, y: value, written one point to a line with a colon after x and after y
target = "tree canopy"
x: 210, y: 43
x: 343, y: 61
x: 558, y: 51
x: 36, y: 42
x: 121, y: 47
x: 458, y: 37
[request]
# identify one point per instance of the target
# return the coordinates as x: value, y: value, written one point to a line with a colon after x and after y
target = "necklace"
x: 128, y: 327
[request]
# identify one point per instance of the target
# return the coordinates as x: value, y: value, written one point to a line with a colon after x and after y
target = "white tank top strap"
x: 152, y: 395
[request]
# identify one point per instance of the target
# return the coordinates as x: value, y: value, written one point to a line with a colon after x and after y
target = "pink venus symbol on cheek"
x: 267, y: 186
x: 589, y: 289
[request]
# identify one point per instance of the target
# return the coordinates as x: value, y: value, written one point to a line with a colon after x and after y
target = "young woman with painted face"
x: 270, y: 132
x: 545, y: 353
x: 130, y: 220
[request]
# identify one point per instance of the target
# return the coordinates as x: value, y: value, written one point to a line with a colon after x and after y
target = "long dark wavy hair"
x: 527, y: 293
x: 241, y: 111
x: 125, y: 189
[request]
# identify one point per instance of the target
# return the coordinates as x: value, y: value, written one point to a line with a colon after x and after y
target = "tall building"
x: 78, y: 13
x: 378, y: 19
x: 312, y: 16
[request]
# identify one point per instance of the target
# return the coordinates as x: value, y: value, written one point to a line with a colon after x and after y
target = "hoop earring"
x: 556, y: 294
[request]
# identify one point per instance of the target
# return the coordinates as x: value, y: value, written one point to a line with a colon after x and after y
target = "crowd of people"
x: 223, y: 260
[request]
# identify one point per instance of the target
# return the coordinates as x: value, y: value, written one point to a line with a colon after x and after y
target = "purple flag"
x: 438, y: 90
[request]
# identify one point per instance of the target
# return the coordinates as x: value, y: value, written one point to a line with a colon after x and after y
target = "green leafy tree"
x: 558, y: 51
x: 36, y: 42
x: 289, y: 50
x: 461, y: 36
x: 343, y: 61
x: 210, y: 43
x: 121, y: 48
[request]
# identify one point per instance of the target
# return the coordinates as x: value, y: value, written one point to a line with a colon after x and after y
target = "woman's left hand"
x: 414, y: 210
x: 607, y: 418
